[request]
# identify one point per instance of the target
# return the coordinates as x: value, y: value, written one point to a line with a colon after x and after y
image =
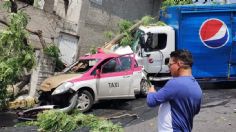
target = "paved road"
x: 217, y: 114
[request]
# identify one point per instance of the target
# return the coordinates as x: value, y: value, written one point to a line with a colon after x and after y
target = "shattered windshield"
x: 84, y: 65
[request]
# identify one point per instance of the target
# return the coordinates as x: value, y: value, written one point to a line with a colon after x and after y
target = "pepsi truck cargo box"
x: 209, y: 32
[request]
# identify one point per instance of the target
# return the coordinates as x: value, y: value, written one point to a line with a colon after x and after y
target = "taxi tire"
x: 90, y: 97
x: 144, y: 87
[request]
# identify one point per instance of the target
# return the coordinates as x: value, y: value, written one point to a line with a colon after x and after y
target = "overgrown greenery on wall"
x: 53, y: 51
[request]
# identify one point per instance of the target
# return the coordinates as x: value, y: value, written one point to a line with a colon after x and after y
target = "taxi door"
x: 115, y: 78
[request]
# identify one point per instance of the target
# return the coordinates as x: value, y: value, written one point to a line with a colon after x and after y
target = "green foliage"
x: 52, y: 51
x: 127, y: 40
x: 3, y: 95
x: 54, y: 120
x: 124, y: 25
x: 93, y: 50
x: 147, y: 20
x: 7, y: 5
x: 168, y: 3
x: 96, y: 124
x: 160, y: 23
x: 106, y: 126
x: 15, y: 54
x: 109, y: 34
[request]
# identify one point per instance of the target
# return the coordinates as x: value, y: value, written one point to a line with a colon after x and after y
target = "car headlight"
x: 62, y: 88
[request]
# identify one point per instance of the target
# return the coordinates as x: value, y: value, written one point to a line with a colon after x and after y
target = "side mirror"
x: 98, y: 72
x: 167, y: 61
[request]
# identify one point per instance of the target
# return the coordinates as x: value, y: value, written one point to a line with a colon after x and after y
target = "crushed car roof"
x: 99, y: 56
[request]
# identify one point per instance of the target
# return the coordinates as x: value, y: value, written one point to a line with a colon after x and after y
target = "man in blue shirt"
x: 180, y: 98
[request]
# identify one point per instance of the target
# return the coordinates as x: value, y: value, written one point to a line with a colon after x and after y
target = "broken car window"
x: 125, y: 63
x: 84, y: 65
x: 109, y: 67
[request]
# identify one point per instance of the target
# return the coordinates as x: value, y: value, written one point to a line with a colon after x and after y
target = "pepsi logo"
x: 214, y: 33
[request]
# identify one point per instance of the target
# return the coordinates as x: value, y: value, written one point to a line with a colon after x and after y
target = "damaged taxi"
x: 97, y: 77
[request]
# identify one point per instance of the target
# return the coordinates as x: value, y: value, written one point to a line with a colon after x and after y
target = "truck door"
x: 153, y: 56
x: 114, y: 81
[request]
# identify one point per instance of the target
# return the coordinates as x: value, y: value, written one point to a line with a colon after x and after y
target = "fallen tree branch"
x: 25, y: 6
x: 4, y: 23
x: 120, y: 36
x: 39, y: 33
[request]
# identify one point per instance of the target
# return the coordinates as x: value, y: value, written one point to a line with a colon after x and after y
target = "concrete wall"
x: 98, y: 16
x: 72, y: 13
x: 48, y: 6
x: 87, y: 19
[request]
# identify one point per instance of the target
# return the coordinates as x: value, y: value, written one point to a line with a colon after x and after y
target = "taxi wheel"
x: 144, y: 87
x: 84, y: 101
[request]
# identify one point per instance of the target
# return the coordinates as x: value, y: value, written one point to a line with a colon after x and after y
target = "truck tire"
x: 84, y: 101
x: 144, y: 85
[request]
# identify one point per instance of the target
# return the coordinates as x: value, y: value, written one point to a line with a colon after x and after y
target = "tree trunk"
x: 122, y: 35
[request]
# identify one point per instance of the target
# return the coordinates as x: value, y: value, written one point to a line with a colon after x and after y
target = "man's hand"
x: 151, y: 89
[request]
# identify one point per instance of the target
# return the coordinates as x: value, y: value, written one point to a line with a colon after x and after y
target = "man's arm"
x: 151, y: 97
x: 165, y: 94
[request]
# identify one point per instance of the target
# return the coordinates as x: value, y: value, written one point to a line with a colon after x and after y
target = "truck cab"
x: 153, y: 47
x: 207, y: 31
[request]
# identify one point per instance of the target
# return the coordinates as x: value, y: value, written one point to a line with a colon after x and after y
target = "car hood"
x: 54, y: 81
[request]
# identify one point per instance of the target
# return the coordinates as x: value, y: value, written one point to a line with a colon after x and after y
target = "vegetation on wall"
x: 15, y: 54
x: 53, y: 51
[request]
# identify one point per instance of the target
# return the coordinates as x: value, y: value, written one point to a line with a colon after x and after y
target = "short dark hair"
x: 183, y: 55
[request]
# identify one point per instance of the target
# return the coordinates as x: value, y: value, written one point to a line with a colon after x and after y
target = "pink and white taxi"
x: 99, y: 76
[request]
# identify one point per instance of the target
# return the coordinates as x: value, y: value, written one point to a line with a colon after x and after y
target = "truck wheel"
x: 144, y: 87
x: 84, y: 101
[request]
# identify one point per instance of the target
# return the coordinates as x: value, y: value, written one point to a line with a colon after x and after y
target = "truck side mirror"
x: 167, y: 61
